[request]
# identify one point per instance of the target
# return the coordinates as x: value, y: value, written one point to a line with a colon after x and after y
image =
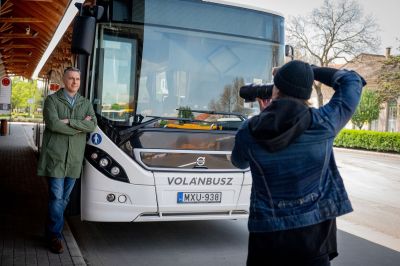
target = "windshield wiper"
x: 113, y: 129
x: 108, y: 126
x: 125, y: 134
x: 136, y: 127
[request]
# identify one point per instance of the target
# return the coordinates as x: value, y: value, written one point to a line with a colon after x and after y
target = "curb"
x: 72, y: 246
x: 391, y: 155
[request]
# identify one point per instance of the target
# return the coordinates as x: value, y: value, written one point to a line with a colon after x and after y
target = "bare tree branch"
x: 333, y: 31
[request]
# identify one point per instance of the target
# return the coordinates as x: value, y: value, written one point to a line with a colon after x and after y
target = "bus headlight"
x: 110, y: 197
x: 115, y: 170
x: 103, y: 162
x: 122, y: 199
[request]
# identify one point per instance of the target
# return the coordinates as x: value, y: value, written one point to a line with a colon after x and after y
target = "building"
x: 370, y: 66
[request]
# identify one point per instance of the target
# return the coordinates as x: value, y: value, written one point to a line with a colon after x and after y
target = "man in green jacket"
x: 68, y: 117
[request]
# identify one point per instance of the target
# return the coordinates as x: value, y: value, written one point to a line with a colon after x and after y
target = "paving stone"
x: 55, y: 263
x: 43, y: 260
x: 22, y: 219
x: 78, y: 261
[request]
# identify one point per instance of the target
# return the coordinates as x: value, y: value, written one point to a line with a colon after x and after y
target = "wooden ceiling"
x: 60, y: 59
x: 26, y: 29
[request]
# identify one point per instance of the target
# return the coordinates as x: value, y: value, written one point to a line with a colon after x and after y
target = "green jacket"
x: 63, y: 145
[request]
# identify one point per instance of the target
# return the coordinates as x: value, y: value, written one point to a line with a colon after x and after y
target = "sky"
x: 385, y: 12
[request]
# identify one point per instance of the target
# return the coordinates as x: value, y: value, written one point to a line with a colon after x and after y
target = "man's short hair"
x: 74, y: 69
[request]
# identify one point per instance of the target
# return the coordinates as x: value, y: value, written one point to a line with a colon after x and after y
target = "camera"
x: 252, y: 91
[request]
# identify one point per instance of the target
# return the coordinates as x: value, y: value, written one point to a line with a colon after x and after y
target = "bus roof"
x: 244, y: 5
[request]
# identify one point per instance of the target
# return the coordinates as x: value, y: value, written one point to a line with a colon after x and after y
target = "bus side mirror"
x: 84, y: 29
x: 83, y: 35
x: 289, y: 51
x: 90, y: 10
x: 97, y: 12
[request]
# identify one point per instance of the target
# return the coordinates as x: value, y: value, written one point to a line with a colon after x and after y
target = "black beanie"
x: 295, y: 79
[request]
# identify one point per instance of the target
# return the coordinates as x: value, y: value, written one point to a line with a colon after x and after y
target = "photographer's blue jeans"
x: 59, y: 191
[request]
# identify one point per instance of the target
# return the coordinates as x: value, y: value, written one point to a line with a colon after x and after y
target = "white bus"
x: 163, y: 77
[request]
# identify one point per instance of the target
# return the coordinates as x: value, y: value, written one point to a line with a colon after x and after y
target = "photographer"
x: 297, y: 190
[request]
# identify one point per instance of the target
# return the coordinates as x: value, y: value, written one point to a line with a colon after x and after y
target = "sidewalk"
x: 377, y: 153
x: 23, y: 207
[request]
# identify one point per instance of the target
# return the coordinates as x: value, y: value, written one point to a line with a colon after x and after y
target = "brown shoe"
x: 56, y: 245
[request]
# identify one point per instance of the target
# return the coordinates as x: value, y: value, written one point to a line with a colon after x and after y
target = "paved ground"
x: 198, y: 243
x: 373, y: 183
x: 23, y: 205
x: 23, y: 198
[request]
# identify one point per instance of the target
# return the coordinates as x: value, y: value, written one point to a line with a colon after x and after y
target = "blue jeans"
x: 59, y: 191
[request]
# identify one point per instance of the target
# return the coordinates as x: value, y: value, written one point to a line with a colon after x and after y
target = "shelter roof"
x: 26, y: 29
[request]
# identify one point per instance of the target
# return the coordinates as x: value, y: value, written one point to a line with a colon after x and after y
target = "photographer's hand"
x: 275, y: 70
x: 263, y: 103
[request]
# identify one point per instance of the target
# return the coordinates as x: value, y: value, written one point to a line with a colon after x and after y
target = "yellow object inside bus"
x: 194, y: 126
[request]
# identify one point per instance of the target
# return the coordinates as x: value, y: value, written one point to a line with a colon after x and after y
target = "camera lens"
x: 250, y: 92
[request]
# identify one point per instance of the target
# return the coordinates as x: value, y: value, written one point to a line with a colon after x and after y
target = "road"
x: 373, y: 182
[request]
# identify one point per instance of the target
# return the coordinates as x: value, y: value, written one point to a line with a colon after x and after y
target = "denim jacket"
x: 300, y: 185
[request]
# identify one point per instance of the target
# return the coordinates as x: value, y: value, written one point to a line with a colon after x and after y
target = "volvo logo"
x: 201, y: 161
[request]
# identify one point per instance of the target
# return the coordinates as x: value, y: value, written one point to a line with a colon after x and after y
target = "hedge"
x: 369, y: 140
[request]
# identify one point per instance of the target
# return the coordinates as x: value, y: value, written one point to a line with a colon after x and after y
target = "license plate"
x: 199, y: 197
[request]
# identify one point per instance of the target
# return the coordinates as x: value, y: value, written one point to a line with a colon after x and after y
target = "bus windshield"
x: 201, y: 71
x: 154, y: 70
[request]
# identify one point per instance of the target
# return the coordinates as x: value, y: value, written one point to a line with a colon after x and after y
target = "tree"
x: 229, y: 100
x: 389, y: 79
x: 331, y: 32
x: 25, y: 95
x: 185, y: 112
x: 368, y: 109
x: 115, y: 106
